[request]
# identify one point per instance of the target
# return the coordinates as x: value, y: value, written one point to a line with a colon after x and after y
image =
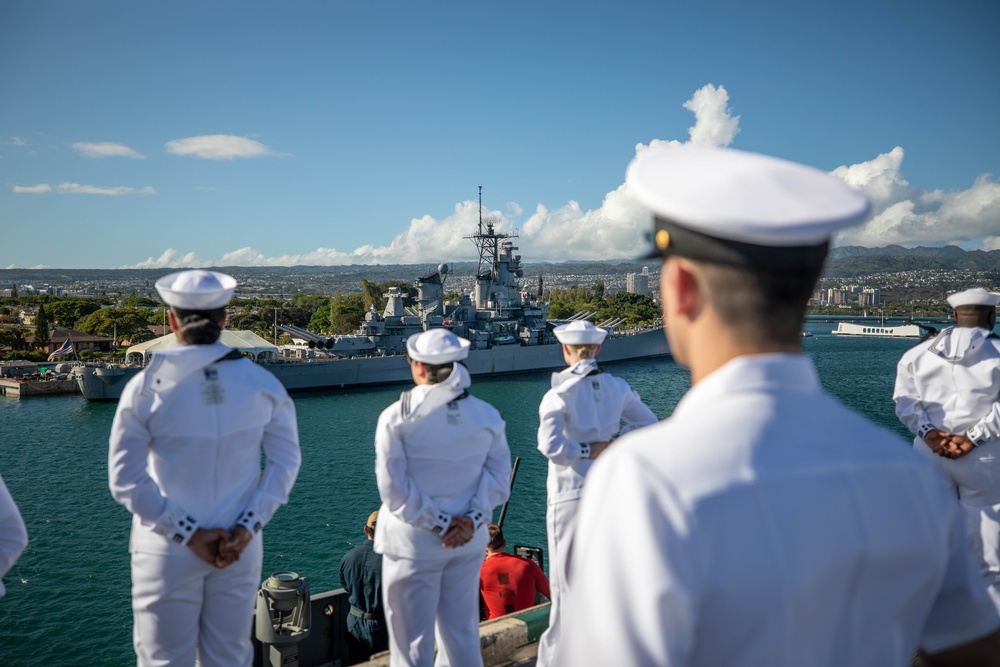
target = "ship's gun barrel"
x: 299, y: 332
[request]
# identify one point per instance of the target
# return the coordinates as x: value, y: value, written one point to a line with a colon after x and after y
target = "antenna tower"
x: 487, y: 242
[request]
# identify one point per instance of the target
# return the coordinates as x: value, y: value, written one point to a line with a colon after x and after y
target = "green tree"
x: 67, y: 312
x: 134, y: 301
x: 599, y: 291
x: 341, y: 315
x: 638, y: 308
x: 127, y: 323
x: 42, y: 324
x: 13, y: 337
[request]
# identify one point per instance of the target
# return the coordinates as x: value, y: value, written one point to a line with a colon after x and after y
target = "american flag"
x: 66, y: 348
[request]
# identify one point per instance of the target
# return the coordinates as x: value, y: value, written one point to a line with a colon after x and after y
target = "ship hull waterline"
x: 500, y: 360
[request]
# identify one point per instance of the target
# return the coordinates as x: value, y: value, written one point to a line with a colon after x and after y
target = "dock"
x: 33, y: 385
x: 21, y: 379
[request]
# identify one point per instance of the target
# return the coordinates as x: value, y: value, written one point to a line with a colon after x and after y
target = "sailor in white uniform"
x: 13, y: 535
x: 185, y: 459
x: 442, y: 465
x: 578, y: 418
x: 948, y: 395
x: 763, y: 523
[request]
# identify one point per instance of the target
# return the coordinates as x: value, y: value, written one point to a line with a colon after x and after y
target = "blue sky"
x: 335, y: 132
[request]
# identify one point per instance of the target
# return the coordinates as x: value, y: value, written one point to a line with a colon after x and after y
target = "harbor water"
x: 68, y: 598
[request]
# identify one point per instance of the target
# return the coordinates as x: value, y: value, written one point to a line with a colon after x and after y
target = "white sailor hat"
x: 976, y: 296
x: 580, y: 333
x: 743, y: 209
x: 196, y: 290
x: 437, y: 346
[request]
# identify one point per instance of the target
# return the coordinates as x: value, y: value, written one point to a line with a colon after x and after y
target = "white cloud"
x: 103, y: 149
x: 714, y: 123
x: 33, y: 189
x: 218, y: 147
x: 171, y: 258
x: 905, y: 215
x: 16, y: 141
x: 77, y: 189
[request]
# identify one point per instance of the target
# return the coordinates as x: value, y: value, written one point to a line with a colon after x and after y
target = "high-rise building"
x: 638, y: 283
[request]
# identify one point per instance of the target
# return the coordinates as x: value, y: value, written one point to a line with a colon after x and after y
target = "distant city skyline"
x: 331, y: 133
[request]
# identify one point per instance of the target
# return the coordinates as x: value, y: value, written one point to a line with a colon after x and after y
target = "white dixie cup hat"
x: 437, y: 346
x: 580, y: 333
x: 196, y: 290
x: 976, y: 296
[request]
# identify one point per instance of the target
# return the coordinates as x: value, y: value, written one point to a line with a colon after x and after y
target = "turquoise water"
x: 67, y: 597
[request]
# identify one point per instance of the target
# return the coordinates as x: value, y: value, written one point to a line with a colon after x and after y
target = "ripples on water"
x: 68, y: 596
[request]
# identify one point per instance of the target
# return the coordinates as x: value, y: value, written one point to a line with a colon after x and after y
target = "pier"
x: 21, y: 379
x: 22, y: 387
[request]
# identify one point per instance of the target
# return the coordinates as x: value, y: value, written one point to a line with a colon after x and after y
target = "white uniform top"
x: 13, y: 535
x: 952, y: 383
x: 766, y: 524
x: 584, y: 405
x: 186, y: 442
x: 438, y: 452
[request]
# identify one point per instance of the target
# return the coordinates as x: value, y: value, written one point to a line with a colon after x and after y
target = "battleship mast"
x: 487, y: 242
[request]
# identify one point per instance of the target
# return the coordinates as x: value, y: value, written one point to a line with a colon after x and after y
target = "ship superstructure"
x: 498, y: 311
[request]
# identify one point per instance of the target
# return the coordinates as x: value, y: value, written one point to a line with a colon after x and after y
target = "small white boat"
x: 877, y: 331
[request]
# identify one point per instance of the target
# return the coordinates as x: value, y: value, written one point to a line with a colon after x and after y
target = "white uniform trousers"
x: 976, y: 479
x: 186, y: 610
x: 560, y: 521
x: 421, y: 595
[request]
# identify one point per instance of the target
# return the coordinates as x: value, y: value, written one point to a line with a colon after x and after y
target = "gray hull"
x: 103, y: 383
x: 500, y: 360
x: 106, y: 384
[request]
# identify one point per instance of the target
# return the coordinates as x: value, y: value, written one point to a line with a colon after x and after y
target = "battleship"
x: 508, y: 327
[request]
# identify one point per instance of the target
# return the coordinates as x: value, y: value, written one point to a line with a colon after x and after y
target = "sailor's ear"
x: 682, y: 289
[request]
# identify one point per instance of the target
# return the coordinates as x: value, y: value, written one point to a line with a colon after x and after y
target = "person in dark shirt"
x: 508, y: 583
x: 361, y: 577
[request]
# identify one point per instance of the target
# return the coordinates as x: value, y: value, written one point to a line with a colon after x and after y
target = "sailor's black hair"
x: 199, y: 327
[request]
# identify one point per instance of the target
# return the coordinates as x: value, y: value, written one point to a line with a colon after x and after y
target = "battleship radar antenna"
x: 487, y: 243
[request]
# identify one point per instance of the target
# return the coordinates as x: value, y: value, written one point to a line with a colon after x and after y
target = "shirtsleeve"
x: 494, y: 483
x: 909, y: 407
x: 645, y: 579
x: 128, y: 478
x: 13, y: 535
x: 282, y: 459
x: 398, y: 492
x: 552, y: 441
x: 986, y: 429
x: 636, y: 414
